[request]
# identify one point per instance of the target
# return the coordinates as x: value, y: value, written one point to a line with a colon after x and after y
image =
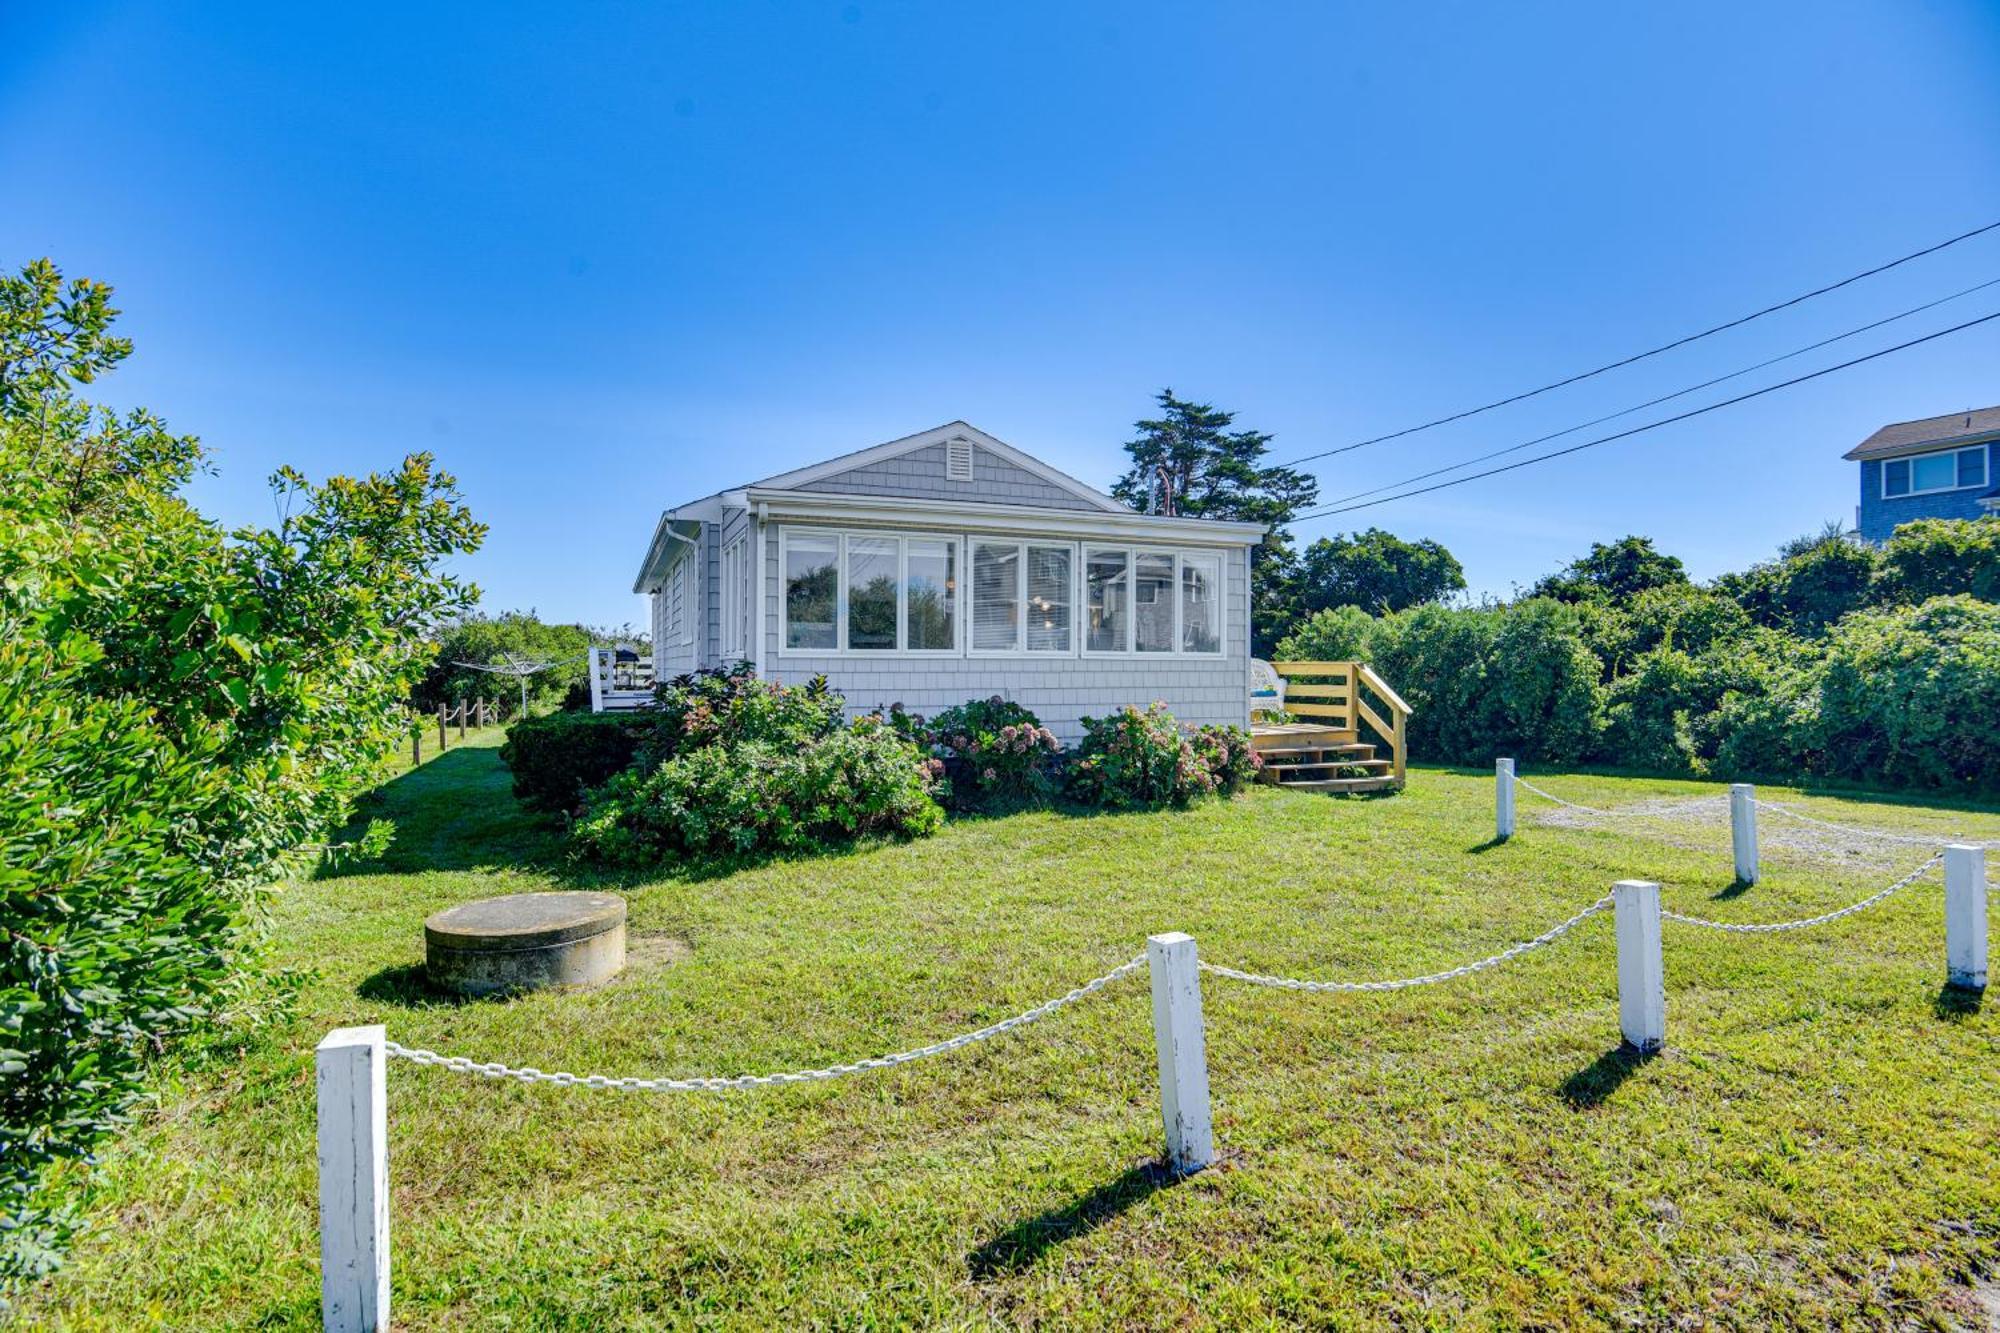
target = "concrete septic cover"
x: 526, y: 941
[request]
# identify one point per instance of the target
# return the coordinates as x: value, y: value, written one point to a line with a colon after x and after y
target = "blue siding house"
x: 1940, y: 467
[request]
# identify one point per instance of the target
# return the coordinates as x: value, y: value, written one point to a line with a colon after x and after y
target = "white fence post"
x: 1177, y: 1037
x: 353, y: 1181
x: 596, y: 682
x: 1642, y: 982
x: 1743, y: 830
x: 1965, y: 917
x: 1503, y: 799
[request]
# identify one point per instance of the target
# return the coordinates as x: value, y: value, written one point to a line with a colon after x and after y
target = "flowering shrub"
x: 997, y: 755
x: 721, y: 801
x: 730, y: 705
x: 1143, y: 760
x: 1228, y: 756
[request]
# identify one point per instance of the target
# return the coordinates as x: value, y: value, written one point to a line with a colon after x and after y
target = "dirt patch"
x: 650, y: 950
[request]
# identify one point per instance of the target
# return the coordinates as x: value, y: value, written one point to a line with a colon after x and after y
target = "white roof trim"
x: 938, y: 435
x: 962, y: 516
x: 673, y: 535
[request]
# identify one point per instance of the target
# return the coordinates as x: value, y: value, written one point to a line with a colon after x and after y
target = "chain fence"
x: 1549, y: 936
x: 1932, y: 840
x: 459, y: 1064
x: 1696, y: 803
x: 1773, y: 927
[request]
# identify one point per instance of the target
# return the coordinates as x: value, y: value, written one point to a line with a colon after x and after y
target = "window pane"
x: 1972, y: 466
x: 811, y: 582
x: 1153, y: 598
x: 933, y: 594
x: 1933, y: 472
x: 1201, y: 604
x: 871, y: 592
x: 1896, y: 477
x: 1048, y: 599
x: 996, y: 596
x: 1105, y: 596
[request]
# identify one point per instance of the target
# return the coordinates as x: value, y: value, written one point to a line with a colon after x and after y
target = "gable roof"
x: 1906, y: 437
x: 951, y: 430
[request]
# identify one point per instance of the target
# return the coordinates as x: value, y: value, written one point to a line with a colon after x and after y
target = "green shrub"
x: 731, y: 706
x: 184, y: 711
x: 720, y: 802
x: 1909, y: 695
x: 1937, y: 557
x: 1135, y: 760
x: 997, y: 755
x: 557, y: 757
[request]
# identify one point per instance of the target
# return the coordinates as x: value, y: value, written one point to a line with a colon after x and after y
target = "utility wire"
x: 1665, y: 397
x: 1641, y: 356
x: 1651, y: 425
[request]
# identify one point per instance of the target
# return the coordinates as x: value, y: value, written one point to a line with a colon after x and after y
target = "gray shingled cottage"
x: 946, y: 566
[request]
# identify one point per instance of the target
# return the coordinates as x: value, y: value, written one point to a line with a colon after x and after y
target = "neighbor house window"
x: 1141, y: 601
x: 1921, y: 474
x: 869, y: 592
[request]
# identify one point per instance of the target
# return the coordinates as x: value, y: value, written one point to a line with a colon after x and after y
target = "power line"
x: 1641, y: 356
x: 1665, y: 397
x: 1651, y: 425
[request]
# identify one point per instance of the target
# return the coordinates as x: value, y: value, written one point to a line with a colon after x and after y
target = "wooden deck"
x: 1324, y: 750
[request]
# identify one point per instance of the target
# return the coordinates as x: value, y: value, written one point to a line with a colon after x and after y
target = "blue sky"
x: 602, y: 259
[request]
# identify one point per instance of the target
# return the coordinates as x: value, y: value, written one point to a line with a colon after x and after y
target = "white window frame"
x: 1020, y: 649
x: 839, y: 537
x: 1985, y: 471
x: 1130, y: 652
x: 732, y: 648
x: 961, y: 545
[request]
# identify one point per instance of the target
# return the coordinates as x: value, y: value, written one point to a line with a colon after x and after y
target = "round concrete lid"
x: 524, y: 920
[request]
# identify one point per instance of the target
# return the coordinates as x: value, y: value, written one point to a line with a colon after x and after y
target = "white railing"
x: 352, y: 1062
x: 616, y: 686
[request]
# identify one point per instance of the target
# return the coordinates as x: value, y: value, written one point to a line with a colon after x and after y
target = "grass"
x: 1815, y: 1148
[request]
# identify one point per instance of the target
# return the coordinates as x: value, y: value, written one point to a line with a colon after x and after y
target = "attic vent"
x: 958, y: 460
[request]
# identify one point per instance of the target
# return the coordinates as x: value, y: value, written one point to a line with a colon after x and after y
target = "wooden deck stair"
x: 1330, y: 755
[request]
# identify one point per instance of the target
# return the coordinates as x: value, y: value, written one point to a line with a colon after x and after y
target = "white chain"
x: 1804, y: 818
x: 1775, y: 926
x: 1507, y: 955
x: 461, y: 1065
x: 1613, y: 814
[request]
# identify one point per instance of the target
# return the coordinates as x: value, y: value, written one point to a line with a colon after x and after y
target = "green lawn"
x: 1817, y: 1147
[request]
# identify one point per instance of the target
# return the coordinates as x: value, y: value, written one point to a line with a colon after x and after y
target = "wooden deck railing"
x: 1333, y: 691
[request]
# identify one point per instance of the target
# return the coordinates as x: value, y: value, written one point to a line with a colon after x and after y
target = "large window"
x: 856, y: 593
x: 861, y: 592
x: 1142, y: 601
x: 812, y: 589
x: 1023, y: 597
x: 1920, y: 474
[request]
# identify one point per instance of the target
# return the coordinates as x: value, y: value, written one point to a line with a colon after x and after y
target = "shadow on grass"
x: 458, y: 812
x: 1022, y: 1244
x: 1596, y: 1081
x: 1737, y: 888
x: 1476, y: 848
x: 406, y: 986
x: 1955, y: 1004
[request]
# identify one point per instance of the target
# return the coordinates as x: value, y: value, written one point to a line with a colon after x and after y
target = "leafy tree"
x: 1187, y: 461
x: 1809, y: 590
x: 1618, y: 570
x: 184, y: 712
x: 1374, y: 570
x: 490, y: 640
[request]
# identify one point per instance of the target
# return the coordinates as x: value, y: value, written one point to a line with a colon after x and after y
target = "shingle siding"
x: 919, y: 474
x: 1877, y: 517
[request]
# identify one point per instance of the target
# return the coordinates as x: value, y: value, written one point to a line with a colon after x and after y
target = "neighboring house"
x: 1940, y: 467
x: 948, y: 566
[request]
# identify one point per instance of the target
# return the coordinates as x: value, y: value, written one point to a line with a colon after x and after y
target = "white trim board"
x: 940, y: 435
